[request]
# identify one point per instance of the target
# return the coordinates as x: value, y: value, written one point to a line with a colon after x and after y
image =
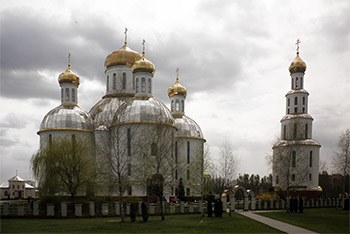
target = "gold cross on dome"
x: 298, y: 42
x: 126, y: 35
x: 143, y: 46
x: 177, y: 74
x: 68, y: 58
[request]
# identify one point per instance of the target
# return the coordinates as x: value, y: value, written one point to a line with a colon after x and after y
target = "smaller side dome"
x: 298, y: 65
x: 67, y: 117
x: 177, y: 88
x: 187, y: 127
x: 123, y: 56
x: 69, y: 77
x: 143, y: 65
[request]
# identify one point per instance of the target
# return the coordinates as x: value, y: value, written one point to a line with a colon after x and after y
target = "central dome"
x: 123, y: 56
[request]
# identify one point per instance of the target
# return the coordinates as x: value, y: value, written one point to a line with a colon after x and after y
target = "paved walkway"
x: 284, y: 227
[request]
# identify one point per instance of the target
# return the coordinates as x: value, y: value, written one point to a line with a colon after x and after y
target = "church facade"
x: 296, y: 153
x: 132, y: 129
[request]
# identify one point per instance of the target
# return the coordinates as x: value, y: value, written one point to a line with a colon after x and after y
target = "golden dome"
x: 176, y: 89
x: 123, y: 56
x: 69, y: 77
x: 143, y: 65
x: 298, y: 65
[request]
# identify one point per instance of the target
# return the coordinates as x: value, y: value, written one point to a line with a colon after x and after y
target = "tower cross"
x: 177, y: 74
x: 69, y: 58
x: 297, y: 43
x: 143, y: 46
x: 126, y: 35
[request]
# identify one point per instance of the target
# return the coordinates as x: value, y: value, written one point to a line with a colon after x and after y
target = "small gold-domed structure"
x: 298, y: 65
x: 69, y: 77
x: 177, y: 88
x: 143, y: 65
x: 123, y: 56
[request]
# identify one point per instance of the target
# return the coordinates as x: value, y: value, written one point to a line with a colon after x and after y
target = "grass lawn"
x: 172, y: 224
x: 322, y: 220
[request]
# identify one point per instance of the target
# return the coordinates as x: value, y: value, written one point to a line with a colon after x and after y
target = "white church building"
x: 296, y: 154
x: 130, y: 123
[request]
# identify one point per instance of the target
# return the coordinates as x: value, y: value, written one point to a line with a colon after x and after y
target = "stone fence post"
x: 283, y: 204
x: 200, y: 206
x: 63, y: 209
x: 50, y: 209
x: 20, y: 209
x: 140, y: 207
x: 191, y: 207
x: 78, y: 210
x: 265, y: 205
x: 128, y: 208
x: 92, y: 208
x: 117, y: 208
x: 104, y: 209
x: 36, y: 208
x: 172, y: 208
x: 182, y: 207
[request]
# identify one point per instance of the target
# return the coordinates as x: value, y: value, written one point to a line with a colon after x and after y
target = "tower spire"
x: 126, y: 35
x: 68, y: 69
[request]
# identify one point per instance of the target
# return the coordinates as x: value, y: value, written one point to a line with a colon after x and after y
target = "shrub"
x: 218, y: 208
x: 144, y: 212
x: 210, y: 209
x: 133, y: 208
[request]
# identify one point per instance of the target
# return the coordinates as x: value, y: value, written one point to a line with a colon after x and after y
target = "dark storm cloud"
x: 33, y: 42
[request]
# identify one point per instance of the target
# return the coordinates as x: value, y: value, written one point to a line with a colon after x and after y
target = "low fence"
x: 91, y: 209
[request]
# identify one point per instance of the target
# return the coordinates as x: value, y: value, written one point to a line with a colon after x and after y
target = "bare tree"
x: 64, y: 165
x: 156, y: 167
x: 201, y: 165
x: 228, y: 164
x: 289, y: 170
x: 341, y: 158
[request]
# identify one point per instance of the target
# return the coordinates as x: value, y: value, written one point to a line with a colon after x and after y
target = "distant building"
x: 296, y: 148
x: 16, y: 188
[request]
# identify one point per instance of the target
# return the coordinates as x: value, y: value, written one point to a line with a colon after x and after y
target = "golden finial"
x: 297, y: 43
x: 143, y: 47
x: 126, y: 35
x: 177, y: 75
x: 16, y: 173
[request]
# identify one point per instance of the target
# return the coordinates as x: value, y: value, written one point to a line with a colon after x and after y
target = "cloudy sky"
x: 233, y: 58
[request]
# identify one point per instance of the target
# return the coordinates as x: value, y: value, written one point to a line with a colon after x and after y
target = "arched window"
x: 137, y: 85
x: 277, y: 179
x: 50, y: 139
x: 133, y: 83
x: 175, y: 174
x: 67, y: 94
x: 293, y: 177
x: 182, y: 106
x: 114, y: 81
x: 294, y: 156
x: 296, y: 83
x: 188, y: 192
x: 296, y: 101
x: 288, y: 101
x: 61, y: 94
x: 306, y: 130
x: 172, y: 105
x: 303, y: 100
x: 107, y: 83
x: 295, y: 131
x: 73, y: 95
x: 129, y: 141
x: 149, y: 85
x: 310, y: 177
x: 6, y: 193
x: 188, y: 174
x: 188, y: 152
x: 143, y: 85
x: 292, y: 83
x: 177, y: 105
x: 310, y: 159
x: 301, y: 82
x: 284, y: 132
x: 124, y: 80
x: 129, y: 169
x: 154, y: 149
x: 175, y: 151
